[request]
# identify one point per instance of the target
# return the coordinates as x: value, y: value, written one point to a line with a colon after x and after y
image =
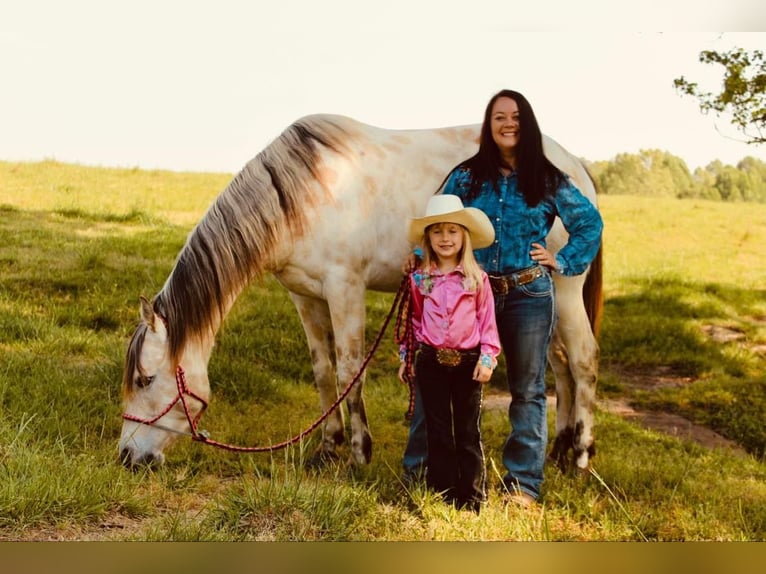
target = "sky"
x: 205, y: 85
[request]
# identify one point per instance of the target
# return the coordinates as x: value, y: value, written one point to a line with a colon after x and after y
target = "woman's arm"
x: 583, y: 222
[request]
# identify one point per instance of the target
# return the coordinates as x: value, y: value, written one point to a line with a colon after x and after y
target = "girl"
x: 454, y: 323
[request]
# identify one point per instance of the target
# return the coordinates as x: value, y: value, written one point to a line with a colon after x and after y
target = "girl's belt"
x: 501, y: 285
x: 450, y: 357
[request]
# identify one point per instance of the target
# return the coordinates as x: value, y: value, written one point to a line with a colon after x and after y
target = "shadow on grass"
x: 78, y: 277
x: 661, y: 325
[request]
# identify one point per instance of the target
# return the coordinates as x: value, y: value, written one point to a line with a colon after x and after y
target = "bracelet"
x: 487, y: 361
x: 402, y: 355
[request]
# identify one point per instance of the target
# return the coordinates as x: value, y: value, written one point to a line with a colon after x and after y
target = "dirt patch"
x: 670, y: 424
x: 721, y: 334
x: 114, y: 527
x: 673, y: 425
x: 647, y: 380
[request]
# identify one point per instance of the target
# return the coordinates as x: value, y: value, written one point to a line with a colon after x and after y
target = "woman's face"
x: 506, y: 131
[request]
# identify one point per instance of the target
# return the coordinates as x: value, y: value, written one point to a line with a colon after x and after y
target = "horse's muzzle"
x: 146, y: 460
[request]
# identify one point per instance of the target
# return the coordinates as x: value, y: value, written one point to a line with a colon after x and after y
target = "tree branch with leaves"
x: 743, y: 93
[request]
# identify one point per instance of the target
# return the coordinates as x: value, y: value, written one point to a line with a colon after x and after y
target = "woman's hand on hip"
x: 542, y: 256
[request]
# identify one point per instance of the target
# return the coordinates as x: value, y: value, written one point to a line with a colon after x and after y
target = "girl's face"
x: 446, y: 240
x: 506, y: 130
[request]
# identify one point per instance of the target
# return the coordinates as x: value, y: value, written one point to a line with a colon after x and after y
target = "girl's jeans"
x: 452, y: 406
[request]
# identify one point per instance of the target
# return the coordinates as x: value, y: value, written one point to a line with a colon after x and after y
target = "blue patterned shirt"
x: 517, y: 225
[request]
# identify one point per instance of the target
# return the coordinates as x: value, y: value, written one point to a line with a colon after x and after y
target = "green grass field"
x: 79, y: 245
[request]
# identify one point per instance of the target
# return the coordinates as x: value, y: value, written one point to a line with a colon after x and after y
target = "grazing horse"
x: 324, y: 208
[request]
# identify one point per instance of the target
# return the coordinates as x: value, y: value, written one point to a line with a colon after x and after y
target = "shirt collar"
x: 435, y: 270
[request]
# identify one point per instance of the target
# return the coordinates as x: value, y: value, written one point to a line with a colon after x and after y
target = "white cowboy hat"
x: 449, y: 209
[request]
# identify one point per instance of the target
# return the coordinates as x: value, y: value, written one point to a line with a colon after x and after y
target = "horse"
x: 324, y: 209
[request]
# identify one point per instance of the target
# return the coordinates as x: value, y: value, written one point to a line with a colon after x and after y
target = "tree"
x: 658, y: 173
x: 705, y: 180
x: 755, y: 174
x: 650, y: 172
x: 743, y: 94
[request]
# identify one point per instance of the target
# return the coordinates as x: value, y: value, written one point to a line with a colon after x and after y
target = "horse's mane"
x: 132, y: 363
x: 264, y: 205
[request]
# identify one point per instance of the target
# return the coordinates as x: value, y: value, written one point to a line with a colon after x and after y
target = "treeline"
x: 658, y: 173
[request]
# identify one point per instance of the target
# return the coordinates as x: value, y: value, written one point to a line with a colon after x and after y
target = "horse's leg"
x: 559, y: 361
x: 315, y: 316
x: 574, y: 358
x: 345, y: 294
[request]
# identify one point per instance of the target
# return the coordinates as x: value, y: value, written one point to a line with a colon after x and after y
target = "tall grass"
x: 79, y: 245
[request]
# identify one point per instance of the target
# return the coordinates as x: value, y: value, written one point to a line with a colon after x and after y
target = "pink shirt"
x: 445, y: 314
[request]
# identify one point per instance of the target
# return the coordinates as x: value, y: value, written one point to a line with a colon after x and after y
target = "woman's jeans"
x: 525, y: 320
x: 416, y: 451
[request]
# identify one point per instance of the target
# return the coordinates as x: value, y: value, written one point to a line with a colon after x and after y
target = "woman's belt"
x: 502, y: 285
x: 451, y: 357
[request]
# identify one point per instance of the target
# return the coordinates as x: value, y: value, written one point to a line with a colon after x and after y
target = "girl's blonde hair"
x: 471, y: 268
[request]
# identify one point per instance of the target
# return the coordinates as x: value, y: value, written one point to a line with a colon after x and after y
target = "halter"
x: 401, y: 301
x: 183, y: 391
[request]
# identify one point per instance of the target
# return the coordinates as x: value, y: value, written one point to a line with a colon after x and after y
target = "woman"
x: 522, y: 192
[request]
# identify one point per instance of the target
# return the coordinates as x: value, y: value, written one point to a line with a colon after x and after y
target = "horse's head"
x: 160, y: 401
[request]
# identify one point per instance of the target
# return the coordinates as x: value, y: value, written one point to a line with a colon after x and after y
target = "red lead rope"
x: 401, y: 302
x: 404, y: 335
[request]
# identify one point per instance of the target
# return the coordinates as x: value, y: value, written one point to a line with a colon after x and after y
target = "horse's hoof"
x: 361, y: 454
x: 559, y: 460
x: 581, y: 473
x: 321, y: 458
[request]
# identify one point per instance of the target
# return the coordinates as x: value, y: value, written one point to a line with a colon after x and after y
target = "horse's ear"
x: 147, y: 312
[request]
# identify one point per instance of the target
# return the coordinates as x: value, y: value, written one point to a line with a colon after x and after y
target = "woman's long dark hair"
x: 537, y: 176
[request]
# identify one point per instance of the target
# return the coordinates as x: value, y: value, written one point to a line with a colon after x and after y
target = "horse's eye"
x: 144, y: 381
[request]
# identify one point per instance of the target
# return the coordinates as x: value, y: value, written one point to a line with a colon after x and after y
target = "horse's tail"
x: 593, y: 295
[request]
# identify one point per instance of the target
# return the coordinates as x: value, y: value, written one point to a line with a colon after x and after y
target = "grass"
x: 79, y: 245
x: 698, y: 264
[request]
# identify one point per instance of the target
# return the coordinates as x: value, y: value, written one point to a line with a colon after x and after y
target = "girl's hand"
x: 410, y: 264
x: 482, y: 374
x: 542, y: 256
x: 402, y: 366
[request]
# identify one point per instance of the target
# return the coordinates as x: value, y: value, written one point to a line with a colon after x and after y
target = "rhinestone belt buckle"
x: 449, y: 357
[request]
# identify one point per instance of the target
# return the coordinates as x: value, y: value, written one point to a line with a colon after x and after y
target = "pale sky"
x: 205, y: 85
